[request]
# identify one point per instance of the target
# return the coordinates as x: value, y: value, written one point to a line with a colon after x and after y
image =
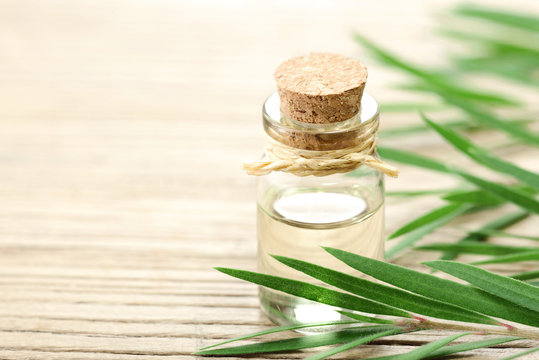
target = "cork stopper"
x: 320, y: 88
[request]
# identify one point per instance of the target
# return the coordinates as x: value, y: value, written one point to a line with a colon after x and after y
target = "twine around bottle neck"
x: 301, y: 162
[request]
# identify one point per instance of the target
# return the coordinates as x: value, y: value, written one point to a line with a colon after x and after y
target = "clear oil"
x: 296, y: 223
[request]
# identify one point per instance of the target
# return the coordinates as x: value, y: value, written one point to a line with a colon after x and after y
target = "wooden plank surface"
x: 123, y: 128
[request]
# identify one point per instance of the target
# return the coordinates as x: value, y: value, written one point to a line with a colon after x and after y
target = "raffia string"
x: 302, y: 162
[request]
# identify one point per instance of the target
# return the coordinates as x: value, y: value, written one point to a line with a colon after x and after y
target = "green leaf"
x: 528, y: 275
x: 502, y: 222
x: 476, y: 197
x: 526, y: 352
x: 425, y: 219
x: 482, y: 156
x: 453, y: 349
x: 436, y: 288
x: 418, y: 234
x: 481, y: 115
x: 423, y: 351
x: 505, y: 287
x: 314, y: 292
x: 465, y: 125
x: 515, y: 66
x: 456, y: 95
x: 440, y: 84
x: 505, y: 234
x: 515, y: 196
x: 490, y: 120
x: 302, y: 342
x: 283, y: 328
x: 351, y: 345
x: 502, y: 16
x: 388, y: 295
x: 499, y: 45
x: 511, y: 258
x: 407, y: 106
x: 366, y: 319
x: 435, y: 81
x: 473, y: 247
x: 409, y: 158
x: 515, y: 60
x: 499, y: 223
x: 413, y: 193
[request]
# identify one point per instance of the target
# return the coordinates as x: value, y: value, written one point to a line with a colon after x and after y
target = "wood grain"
x: 123, y: 126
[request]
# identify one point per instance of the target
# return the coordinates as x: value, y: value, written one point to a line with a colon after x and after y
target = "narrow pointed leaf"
x: 409, y: 158
x: 476, y: 197
x: 401, y: 107
x: 425, y: 219
x: 365, y: 319
x: 413, y: 193
x: 315, y: 293
x: 528, y: 275
x: 302, y: 342
x: 476, y: 248
x: 411, y: 238
x: 462, y: 99
x: 482, y: 156
x: 433, y: 80
x: 520, y: 354
x: 281, y: 329
x: 502, y: 222
x: 388, y: 295
x: 436, y: 288
x: 486, y: 118
x: 505, y: 234
x: 351, y: 345
x: 464, y: 125
x: 498, y: 223
x: 456, y: 95
x: 512, y: 258
x: 453, y: 349
x: 515, y: 66
x: 439, y: 83
x: 423, y: 351
x: 516, y: 196
x: 502, y: 16
x: 509, y: 289
x: 478, y: 114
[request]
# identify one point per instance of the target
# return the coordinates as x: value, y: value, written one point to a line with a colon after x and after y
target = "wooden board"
x: 123, y: 128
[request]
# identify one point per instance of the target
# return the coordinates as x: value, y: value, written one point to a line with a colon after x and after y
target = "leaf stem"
x: 482, y: 329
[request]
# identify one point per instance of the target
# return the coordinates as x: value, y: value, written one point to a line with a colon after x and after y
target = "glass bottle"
x: 297, y: 215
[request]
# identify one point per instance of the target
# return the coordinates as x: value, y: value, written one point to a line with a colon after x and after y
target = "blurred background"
x: 123, y: 127
x: 155, y: 104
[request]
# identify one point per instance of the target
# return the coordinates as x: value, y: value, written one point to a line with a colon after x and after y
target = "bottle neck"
x: 320, y: 137
x: 351, y: 123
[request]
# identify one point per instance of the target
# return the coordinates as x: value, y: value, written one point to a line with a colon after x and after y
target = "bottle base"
x: 283, y: 309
